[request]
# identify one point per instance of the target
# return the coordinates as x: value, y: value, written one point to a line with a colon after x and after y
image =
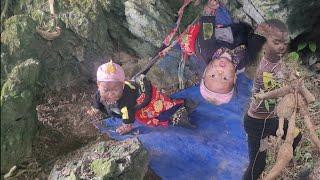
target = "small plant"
x: 312, y: 47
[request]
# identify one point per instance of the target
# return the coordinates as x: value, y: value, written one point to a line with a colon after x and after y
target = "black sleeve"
x: 145, y: 88
x: 128, y: 115
x: 96, y: 102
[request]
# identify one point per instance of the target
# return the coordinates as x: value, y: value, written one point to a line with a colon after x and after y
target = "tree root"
x: 307, y: 121
x: 285, y: 154
x: 275, y: 93
x: 307, y: 95
x: 49, y: 35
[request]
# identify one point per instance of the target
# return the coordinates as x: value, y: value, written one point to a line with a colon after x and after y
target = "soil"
x: 64, y: 127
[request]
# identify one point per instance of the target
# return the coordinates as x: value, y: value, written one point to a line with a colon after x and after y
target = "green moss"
x: 18, y: 33
x: 18, y: 114
x: 103, y: 168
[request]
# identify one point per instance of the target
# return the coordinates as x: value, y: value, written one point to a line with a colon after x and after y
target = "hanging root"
x: 49, y: 35
x: 274, y: 94
x: 286, y: 106
x: 307, y: 121
x: 308, y: 96
x: 285, y: 152
x: 280, y: 131
x: 313, y: 135
x: 287, y: 109
x: 51, y: 5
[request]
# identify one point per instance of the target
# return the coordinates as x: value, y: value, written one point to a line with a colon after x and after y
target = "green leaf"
x: 294, y: 56
x: 312, y: 46
x: 272, y: 101
x: 302, y: 46
x: 269, y: 83
x: 266, y: 104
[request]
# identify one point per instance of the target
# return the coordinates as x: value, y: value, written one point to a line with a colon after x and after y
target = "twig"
x: 10, y: 173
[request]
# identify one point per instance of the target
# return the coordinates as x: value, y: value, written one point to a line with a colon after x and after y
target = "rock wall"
x: 92, y: 31
x: 18, y: 113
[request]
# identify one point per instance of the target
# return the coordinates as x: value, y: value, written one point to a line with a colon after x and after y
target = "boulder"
x: 104, y: 160
x: 18, y: 114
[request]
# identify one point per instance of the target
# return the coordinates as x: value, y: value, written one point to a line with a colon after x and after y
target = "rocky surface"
x: 18, y: 114
x: 104, y: 160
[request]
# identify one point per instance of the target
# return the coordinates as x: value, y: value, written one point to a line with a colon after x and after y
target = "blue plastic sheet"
x: 216, y: 149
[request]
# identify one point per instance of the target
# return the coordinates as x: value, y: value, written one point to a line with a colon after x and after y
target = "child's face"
x: 220, y: 76
x: 110, y: 92
x: 211, y: 6
x: 277, y: 43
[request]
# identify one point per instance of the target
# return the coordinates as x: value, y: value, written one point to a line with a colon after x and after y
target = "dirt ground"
x: 64, y: 126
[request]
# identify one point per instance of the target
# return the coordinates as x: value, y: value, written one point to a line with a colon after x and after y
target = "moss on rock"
x: 18, y: 114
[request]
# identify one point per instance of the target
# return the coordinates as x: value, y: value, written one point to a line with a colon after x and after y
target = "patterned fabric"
x: 168, y: 40
x: 237, y: 54
x: 180, y: 118
x: 188, y: 41
x: 159, y: 103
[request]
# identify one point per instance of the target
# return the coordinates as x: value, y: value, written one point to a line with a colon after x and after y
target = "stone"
x: 126, y: 159
x: 18, y: 42
x: 18, y: 114
x: 148, y: 20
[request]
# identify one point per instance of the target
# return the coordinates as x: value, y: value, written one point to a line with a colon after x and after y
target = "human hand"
x: 124, y: 129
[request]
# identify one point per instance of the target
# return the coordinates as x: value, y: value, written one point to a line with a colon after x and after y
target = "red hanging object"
x: 158, y: 104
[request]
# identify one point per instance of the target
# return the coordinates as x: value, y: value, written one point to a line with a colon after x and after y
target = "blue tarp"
x: 216, y: 149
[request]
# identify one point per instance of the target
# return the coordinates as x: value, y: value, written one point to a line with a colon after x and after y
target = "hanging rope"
x: 47, y: 34
x: 181, y: 68
x: 153, y: 60
x: 167, y: 41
